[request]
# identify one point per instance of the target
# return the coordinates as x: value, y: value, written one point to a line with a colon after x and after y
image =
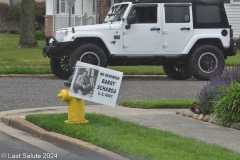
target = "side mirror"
x: 130, y: 20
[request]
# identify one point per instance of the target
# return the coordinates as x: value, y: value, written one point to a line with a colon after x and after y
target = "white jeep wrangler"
x: 188, y: 37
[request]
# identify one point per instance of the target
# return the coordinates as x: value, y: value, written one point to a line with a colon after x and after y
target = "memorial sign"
x: 96, y: 84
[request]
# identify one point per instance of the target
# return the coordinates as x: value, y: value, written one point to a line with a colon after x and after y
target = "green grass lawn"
x: 158, y: 103
x: 132, y: 140
x: 12, y: 55
x: 30, y: 60
x: 14, y: 60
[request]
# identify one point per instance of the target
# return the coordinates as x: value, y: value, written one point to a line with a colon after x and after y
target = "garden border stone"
x: 209, y: 119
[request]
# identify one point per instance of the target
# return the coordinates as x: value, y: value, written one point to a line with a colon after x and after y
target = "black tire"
x: 205, y: 61
x: 89, y: 53
x: 177, y: 72
x: 60, y: 67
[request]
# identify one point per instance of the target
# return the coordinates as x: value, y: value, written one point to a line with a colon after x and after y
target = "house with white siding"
x: 57, y: 14
x: 84, y: 12
x: 232, y: 8
x: 93, y: 11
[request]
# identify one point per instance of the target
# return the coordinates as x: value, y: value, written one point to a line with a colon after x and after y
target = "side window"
x: 208, y: 14
x: 177, y: 14
x: 144, y: 14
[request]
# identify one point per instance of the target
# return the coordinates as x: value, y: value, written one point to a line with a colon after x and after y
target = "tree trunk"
x: 27, y: 29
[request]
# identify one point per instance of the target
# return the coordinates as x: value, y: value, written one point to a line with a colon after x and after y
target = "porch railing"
x: 85, y: 19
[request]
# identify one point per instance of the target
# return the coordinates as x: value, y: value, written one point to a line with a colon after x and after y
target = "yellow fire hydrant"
x: 76, y: 110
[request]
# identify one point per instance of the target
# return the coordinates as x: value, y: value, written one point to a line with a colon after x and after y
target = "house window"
x: 109, y: 3
x: 62, y: 7
x: 12, y: 2
x: 115, y: 1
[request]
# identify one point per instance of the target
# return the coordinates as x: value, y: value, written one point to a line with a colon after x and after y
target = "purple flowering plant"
x: 216, y: 87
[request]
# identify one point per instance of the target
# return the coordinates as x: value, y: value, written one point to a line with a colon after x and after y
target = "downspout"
x: 69, y: 15
x: 82, y: 7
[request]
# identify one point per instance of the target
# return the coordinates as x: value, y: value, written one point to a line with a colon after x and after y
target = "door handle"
x: 156, y: 29
x: 185, y: 28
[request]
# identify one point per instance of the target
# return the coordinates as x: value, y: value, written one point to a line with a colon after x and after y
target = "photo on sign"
x: 95, y: 84
x: 84, y: 81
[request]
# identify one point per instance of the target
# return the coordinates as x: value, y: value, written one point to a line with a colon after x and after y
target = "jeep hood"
x: 104, y: 26
x: 64, y: 34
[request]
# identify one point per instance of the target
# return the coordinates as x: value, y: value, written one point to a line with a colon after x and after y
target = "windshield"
x: 116, y: 13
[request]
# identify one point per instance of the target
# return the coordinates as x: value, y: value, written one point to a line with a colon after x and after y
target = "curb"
x: 153, y: 77
x: 144, y: 77
x: 29, y: 75
x: 62, y: 140
x: 53, y: 76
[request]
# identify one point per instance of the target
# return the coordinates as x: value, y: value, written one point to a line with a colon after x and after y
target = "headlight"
x: 66, y: 33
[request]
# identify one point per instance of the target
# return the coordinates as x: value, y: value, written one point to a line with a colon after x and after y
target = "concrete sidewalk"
x: 162, y: 119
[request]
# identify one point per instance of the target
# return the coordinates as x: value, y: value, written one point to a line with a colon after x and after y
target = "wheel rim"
x: 91, y: 58
x: 177, y: 72
x: 178, y: 69
x: 207, y: 62
x: 64, y: 63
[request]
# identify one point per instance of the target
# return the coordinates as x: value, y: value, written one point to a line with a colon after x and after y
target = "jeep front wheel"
x: 205, y: 61
x: 177, y: 71
x: 60, y: 67
x: 89, y: 53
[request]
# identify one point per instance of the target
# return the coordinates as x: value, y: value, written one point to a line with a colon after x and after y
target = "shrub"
x: 208, y: 95
x: 238, y: 43
x: 4, y: 7
x: 227, y: 109
x: 12, y: 32
x: 40, y: 35
x: 216, y: 88
x: 14, y: 14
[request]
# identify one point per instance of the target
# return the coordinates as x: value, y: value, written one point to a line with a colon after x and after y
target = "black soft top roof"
x: 177, y: 1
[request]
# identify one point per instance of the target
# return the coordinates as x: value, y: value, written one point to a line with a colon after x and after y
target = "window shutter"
x: 57, y: 6
x: 73, y: 9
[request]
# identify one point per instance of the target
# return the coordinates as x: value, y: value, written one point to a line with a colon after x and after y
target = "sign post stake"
x: 70, y: 5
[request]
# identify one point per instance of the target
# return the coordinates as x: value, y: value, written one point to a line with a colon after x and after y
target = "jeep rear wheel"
x: 205, y: 61
x: 89, y: 53
x: 177, y: 71
x: 60, y: 67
